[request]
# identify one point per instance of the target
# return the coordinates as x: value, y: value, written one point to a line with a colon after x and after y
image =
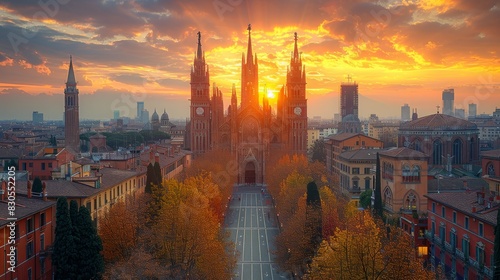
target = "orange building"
x: 34, y: 235
x: 404, y: 180
x: 47, y: 160
x: 342, y: 142
x: 490, y: 163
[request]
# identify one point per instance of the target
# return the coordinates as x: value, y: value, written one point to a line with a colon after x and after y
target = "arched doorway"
x: 250, y: 173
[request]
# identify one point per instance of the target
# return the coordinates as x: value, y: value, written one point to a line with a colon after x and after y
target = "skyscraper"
x: 140, y: 108
x: 37, y: 117
x: 472, y: 110
x: 448, y: 99
x: 349, y: 99
x: 405, y: 113
x: 71, y: 114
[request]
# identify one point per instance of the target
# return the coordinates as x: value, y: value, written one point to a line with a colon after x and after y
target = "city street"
x: 252, y: 224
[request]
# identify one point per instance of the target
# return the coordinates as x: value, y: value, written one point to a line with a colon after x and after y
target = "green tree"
x: 365, y: 199
x: 37, y: 185
x: 317, y: 152
x: 53, y: 141
x: 378, y: 192
x: 90, y: 263
x: 64, y: 247
x: 12, y: 162
x: 496, y: 250
x: 157, y: 174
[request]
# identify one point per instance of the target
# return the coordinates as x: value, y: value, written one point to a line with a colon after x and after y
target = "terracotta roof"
x: 464, y: 201
x: 491, y: 154
x: 404, y: 152
x: 438, y: 122
x: 25, y: 207
x: 343, y: 136
x: 361, y: 154
x: 453, y: 184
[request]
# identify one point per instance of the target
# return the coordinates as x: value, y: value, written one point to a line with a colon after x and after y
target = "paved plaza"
x: 251, y: 221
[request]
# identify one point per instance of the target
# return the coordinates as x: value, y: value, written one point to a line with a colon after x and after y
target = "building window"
x: 443, y: 212
x: 42, y: 219
x: 43, y: 165
x: 355, y: 183
x: 30, y: 276
x: 29, y: 249
x: 88, y: 205
x: 24, y: 166
x: 29, y: 225
x: 490, y: 169
x: 457, y: 151
x: 42, y: 266
x: 442, y: 232
x: 50, y: 164
x: 411, y: 201
x: 481, y: 229
x: 95, y: 203
x: 42, y: 241
x: 355, y: 170
x: 465, y: 246
x: 418, y: 146
x: 466, y: 222
x: 453, y: 238
x: 433, y: 228
x: 30, y: 164
x: 367, y: 183
x: 434, y: 207
x: 454, y: 217
x: 367, y: 170
x: 387, y: 171
x: 480, y: 253
x: 437, y: 152
x: 388, y: 197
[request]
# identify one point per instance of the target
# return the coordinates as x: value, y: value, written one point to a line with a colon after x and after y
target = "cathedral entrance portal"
x: 250, y: 173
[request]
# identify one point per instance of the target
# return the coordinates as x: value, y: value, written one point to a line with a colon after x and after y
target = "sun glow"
x: 270, y: 94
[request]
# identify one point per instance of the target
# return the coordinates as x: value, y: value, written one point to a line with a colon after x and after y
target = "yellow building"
x: 312, y: 136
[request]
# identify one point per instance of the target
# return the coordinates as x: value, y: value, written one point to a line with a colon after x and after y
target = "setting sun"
x: 270, y: 94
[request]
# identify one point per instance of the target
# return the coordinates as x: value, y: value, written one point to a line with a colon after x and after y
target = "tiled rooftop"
x: 24, y: 207
x: 438, y: 122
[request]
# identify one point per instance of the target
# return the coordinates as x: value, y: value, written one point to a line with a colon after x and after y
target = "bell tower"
x: 249, y: 75
x: 71, y: 113
x: 200, y: 103
x: 296, y: 107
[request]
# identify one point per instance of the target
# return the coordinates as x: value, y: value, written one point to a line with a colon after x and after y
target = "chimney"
x: 44, y: 191
x: 465, y: 184
x: 29, y: 189
x: 3, y: 190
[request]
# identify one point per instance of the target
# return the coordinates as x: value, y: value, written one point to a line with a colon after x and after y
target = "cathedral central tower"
x: 249, y: 75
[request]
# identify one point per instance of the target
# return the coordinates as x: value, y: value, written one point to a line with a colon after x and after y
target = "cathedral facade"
x: 249, y: 130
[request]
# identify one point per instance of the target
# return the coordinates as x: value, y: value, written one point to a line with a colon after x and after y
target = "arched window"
x: 437, y: 152
x: 418, y: 145
x: 415, y: 173
x: 410, y: 201
x: 457, y: 151
x: 406, y: 173
x: 388, y: 197
x: 490, y: 169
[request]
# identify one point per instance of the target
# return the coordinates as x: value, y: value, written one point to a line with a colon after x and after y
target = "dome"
x: 438, y: 122
x: 350, y: 118
x: 164, y: 116
x: 155, y: 117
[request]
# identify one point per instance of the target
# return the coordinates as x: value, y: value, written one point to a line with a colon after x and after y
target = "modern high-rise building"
x: 349, y: 99
x: 71, y: 113
x: 448, y: 99
x: 249, y: 131
x: 116, y: 114
x: 37, y: 117
x: 140, y: 108
x: 460, y: 113
x: 472, y: 110
x: 144, y: 116
x: 405, y: 113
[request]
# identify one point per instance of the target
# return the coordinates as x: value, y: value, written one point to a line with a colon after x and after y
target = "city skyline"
x: 143, y: 51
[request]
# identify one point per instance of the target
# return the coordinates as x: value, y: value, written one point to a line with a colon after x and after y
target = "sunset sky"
x: 142, y: 50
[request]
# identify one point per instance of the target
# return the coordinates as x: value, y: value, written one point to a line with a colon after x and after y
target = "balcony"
x: 474, y: 263
x: 437, y: 240
x: 448, y: 247
x: 460, y: 254
x: 488, y: 272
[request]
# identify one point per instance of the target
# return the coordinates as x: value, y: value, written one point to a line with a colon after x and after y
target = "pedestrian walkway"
x: 251, y: 221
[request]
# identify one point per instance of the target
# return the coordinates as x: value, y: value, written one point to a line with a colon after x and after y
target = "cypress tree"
x: 64, y: 246
x: 157, y: 172
x: 89, y: 246
x: 73, y: 215
x: 378, y: 192
x: 314, y: 222
x: 37, y: 185
x: 149, y: 178
x: 496, y: 250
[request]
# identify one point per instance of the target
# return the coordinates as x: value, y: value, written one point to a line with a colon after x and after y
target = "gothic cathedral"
x: 250, y: 131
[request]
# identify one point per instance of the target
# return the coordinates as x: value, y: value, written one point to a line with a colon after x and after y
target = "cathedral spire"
x: 71, y: 75
x: 295, y: 49
x: 249, y: 49
x: 199, y: 53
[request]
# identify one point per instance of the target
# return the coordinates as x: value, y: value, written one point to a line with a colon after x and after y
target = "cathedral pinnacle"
x: 71, y: 75
x: 295, y: 49
x: 199, y: 53
x: 249, y: 50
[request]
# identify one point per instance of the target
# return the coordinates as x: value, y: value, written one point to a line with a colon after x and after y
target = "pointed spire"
x: 295, y: 49
x: 249, y: 49
x: 71, y: 75
x: 199, y: 53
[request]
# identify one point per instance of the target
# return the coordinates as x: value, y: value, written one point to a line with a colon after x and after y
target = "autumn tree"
x: 118, y: 231
x: 317, y: 152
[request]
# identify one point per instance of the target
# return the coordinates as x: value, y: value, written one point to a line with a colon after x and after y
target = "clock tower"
x: 296, y: 103
x: 200, y: 104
